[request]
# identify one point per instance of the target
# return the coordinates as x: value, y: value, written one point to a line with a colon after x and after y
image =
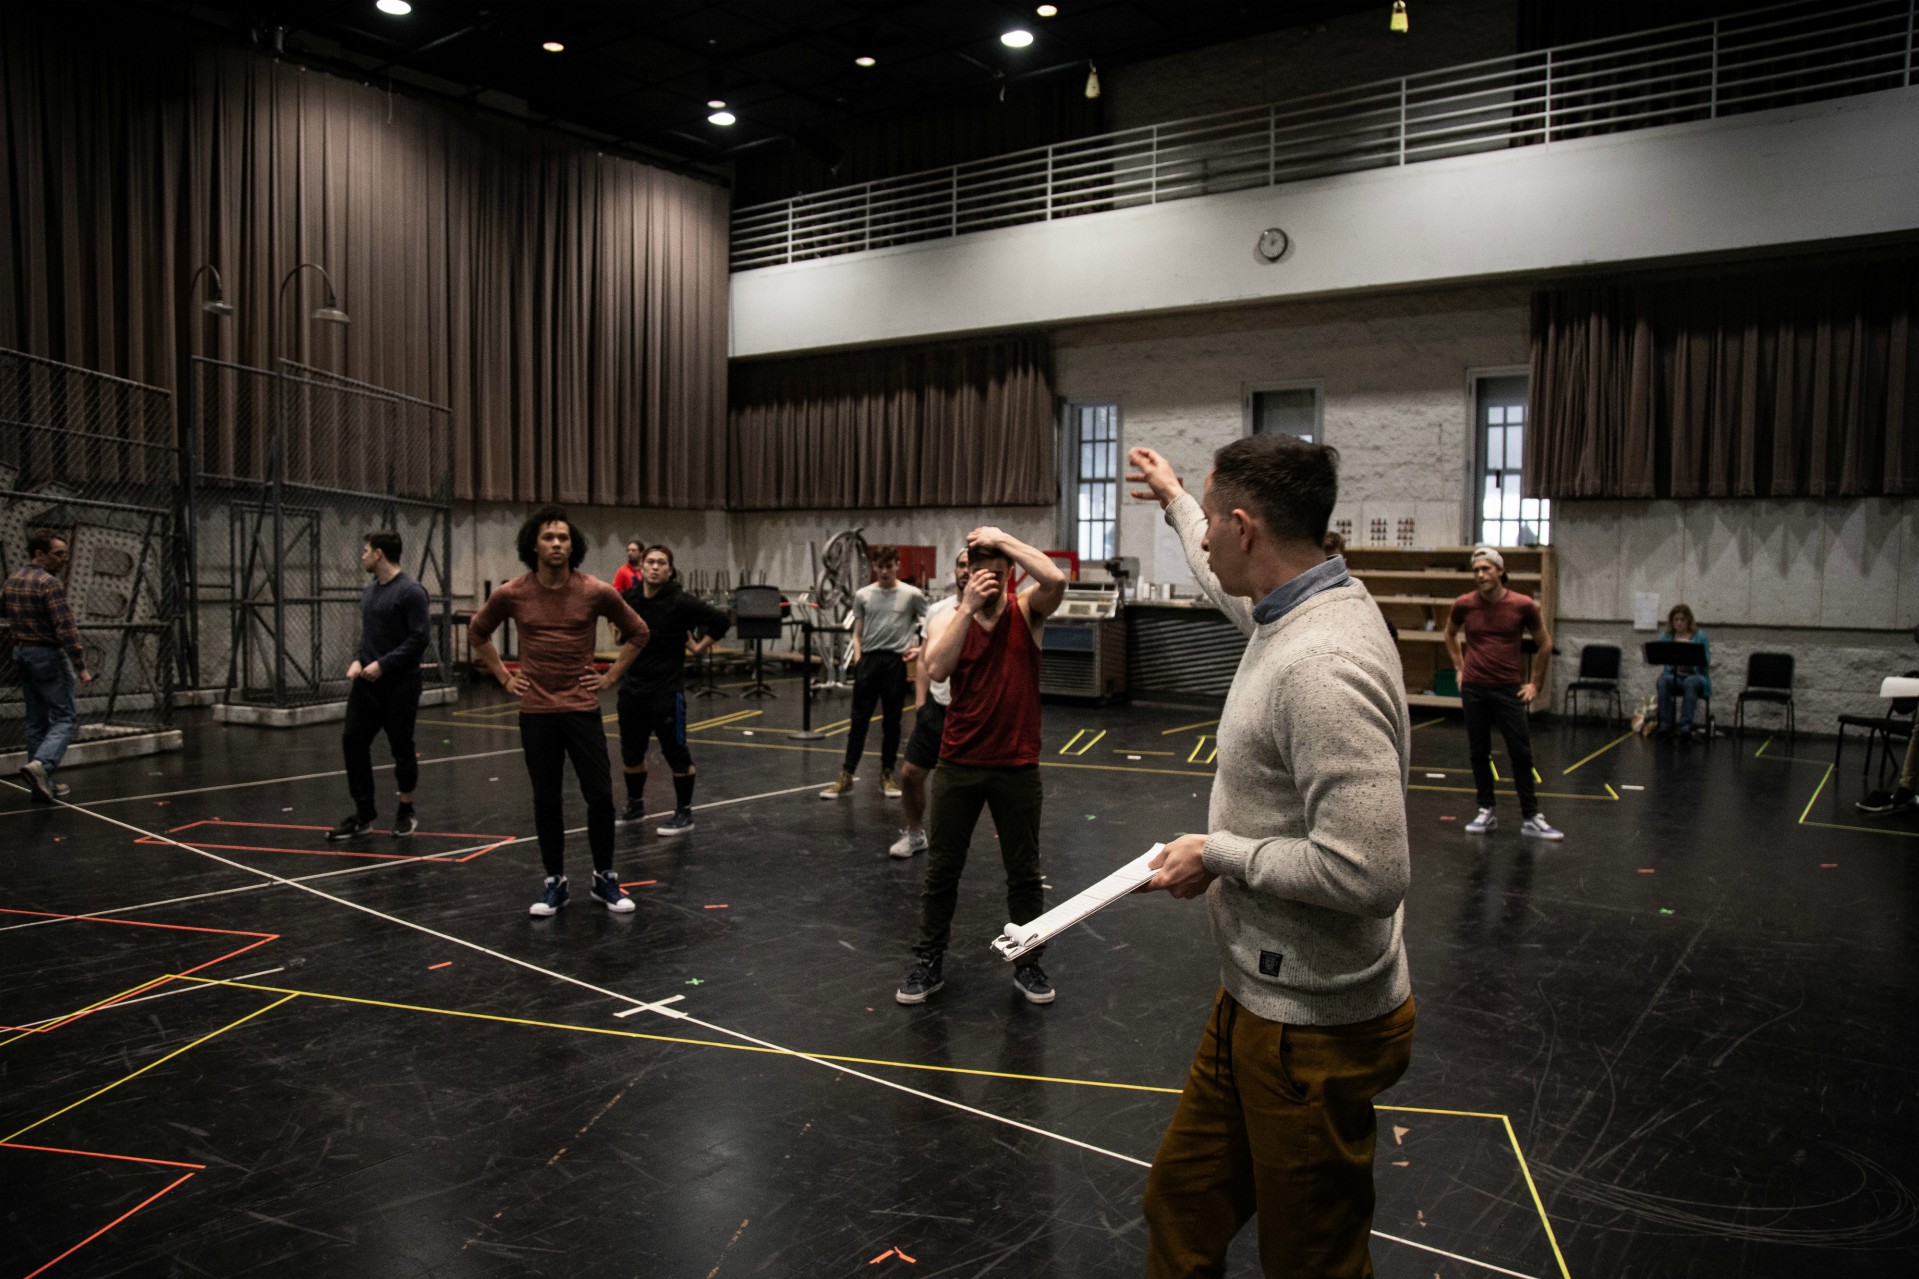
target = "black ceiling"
x: 638, y: 73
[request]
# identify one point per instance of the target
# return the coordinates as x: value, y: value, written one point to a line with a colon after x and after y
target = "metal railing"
x: 1789, y: 53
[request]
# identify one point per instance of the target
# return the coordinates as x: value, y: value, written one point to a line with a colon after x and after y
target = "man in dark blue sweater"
x: 384, y: 682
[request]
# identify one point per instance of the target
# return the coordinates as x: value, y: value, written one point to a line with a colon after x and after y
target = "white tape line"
x: 161, y: 994
x: 297, y: 777
x: 1483, y: 1265
x: 657, y: 1006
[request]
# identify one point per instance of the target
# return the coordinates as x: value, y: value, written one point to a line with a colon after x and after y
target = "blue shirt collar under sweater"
x: 1290, y: 595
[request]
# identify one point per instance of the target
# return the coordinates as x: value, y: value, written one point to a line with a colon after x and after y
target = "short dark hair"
x: 1291, y: 485
x: 41, y: 540
x: 986, y: 551
x: 1333, y: 544
x: 665, y: 550
x: 529, y: 539
x: 884, y: 553
x: 386, y: 542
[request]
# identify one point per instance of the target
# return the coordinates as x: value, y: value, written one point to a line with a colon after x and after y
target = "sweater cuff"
x: 1228, y: 854
x: 1174, y: 515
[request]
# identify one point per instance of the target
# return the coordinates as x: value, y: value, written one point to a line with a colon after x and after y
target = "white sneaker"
x: 1537, y: 827
x: 1486, y: 821
x: 909, y: 842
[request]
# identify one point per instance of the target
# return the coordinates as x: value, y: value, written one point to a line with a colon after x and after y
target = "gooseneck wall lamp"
x: 216, y: 304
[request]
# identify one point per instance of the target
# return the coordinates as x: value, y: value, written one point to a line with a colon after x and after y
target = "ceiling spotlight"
x: 554, y: 46
x: 398, y: 8
x: 722, y: 117
x: 865, y: 60
x: 1016, y: 38
x: 716, y: 103
x: 1398, y: 22
x: 1047, y: 10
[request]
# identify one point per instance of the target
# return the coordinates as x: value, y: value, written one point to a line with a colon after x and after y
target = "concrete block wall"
x: 1395, y: 387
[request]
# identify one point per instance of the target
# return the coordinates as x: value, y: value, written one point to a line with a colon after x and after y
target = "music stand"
x: 756, y: 611
x: 1681, y: 653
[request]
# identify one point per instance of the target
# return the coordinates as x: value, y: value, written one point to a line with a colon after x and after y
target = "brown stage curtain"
x: 568, y: 306
x: 967, y: 424
x: 1798, y: 381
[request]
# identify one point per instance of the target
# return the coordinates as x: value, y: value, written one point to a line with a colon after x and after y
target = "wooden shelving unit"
x: 1416, y: 588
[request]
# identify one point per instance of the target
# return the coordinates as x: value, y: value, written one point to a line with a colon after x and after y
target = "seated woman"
x: 1683, y: 685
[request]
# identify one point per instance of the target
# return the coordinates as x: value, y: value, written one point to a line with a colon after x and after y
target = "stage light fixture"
x: 722, y: 117
x: 1017, y: 38
x: 1047, y: 10
x: 554, y: 46
x: 1092, y: 81
x: 865, y: 60
x: 398, y: 8
x: 716, y: 103
x: 1398, y: 22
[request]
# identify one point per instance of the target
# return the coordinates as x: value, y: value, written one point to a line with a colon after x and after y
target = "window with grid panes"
x: 1092, y: 489
x: 1507, y: 517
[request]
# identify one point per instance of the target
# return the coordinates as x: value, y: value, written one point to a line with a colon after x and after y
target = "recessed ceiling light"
x: 554, y: 46
x: 398, y: 8
x: 865, y: 60
x: 1016, y: 38
x: 1047, y: 10
x: 716, y: 103
x: 721, y: 117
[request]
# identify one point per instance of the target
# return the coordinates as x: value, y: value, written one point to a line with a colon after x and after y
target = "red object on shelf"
x: 1068, y: 560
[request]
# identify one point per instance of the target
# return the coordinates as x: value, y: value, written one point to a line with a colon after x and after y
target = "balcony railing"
x: 1798, y: 52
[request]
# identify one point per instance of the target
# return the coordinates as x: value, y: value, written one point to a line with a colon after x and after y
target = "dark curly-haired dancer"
x: 653, y: 696
x: 557, y: 610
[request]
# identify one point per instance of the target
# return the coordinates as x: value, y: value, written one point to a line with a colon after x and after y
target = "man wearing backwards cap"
x: 1491, y: 619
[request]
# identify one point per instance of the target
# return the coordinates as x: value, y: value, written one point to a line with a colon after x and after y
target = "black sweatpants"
x: 1486, y: 705
x: 959, y: 793
x: 880, y: 680
x: 658, y: 713
x: 548, y: 741
x: 388, y: 705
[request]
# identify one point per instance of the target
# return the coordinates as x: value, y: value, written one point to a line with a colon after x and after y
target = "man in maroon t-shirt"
x: 988, y: 647
x: 1492, y: 619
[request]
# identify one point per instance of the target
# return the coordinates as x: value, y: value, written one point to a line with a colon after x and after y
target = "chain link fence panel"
x: 291, y: 469
x: 93, y: 459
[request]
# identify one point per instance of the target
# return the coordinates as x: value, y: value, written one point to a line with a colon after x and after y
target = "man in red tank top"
x: 989, y: 748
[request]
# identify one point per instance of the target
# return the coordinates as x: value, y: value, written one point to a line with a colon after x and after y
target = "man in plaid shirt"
x: 48, y: 657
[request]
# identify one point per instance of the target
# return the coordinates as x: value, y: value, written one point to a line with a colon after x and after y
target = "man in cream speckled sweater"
x: 1304, y: 868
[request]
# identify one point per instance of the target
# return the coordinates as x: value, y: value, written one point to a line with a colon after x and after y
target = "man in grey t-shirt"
x: 886, y: 622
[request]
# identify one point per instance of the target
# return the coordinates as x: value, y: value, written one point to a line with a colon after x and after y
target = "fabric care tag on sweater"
x: 1269, y: 962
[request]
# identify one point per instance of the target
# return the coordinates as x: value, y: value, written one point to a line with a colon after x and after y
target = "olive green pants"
x: 1276, y: 1122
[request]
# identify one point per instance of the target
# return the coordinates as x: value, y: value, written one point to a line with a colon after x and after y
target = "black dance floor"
x: 1680, y: 1043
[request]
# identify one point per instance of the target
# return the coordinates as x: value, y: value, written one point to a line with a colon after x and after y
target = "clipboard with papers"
x: 1017, y: 939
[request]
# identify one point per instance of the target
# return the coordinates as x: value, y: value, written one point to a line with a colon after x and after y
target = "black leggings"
x: 548, y: 741
x: 389, y: 706
x: 662, y: 714
x: 880, y: 680
x: 1484, y: 706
